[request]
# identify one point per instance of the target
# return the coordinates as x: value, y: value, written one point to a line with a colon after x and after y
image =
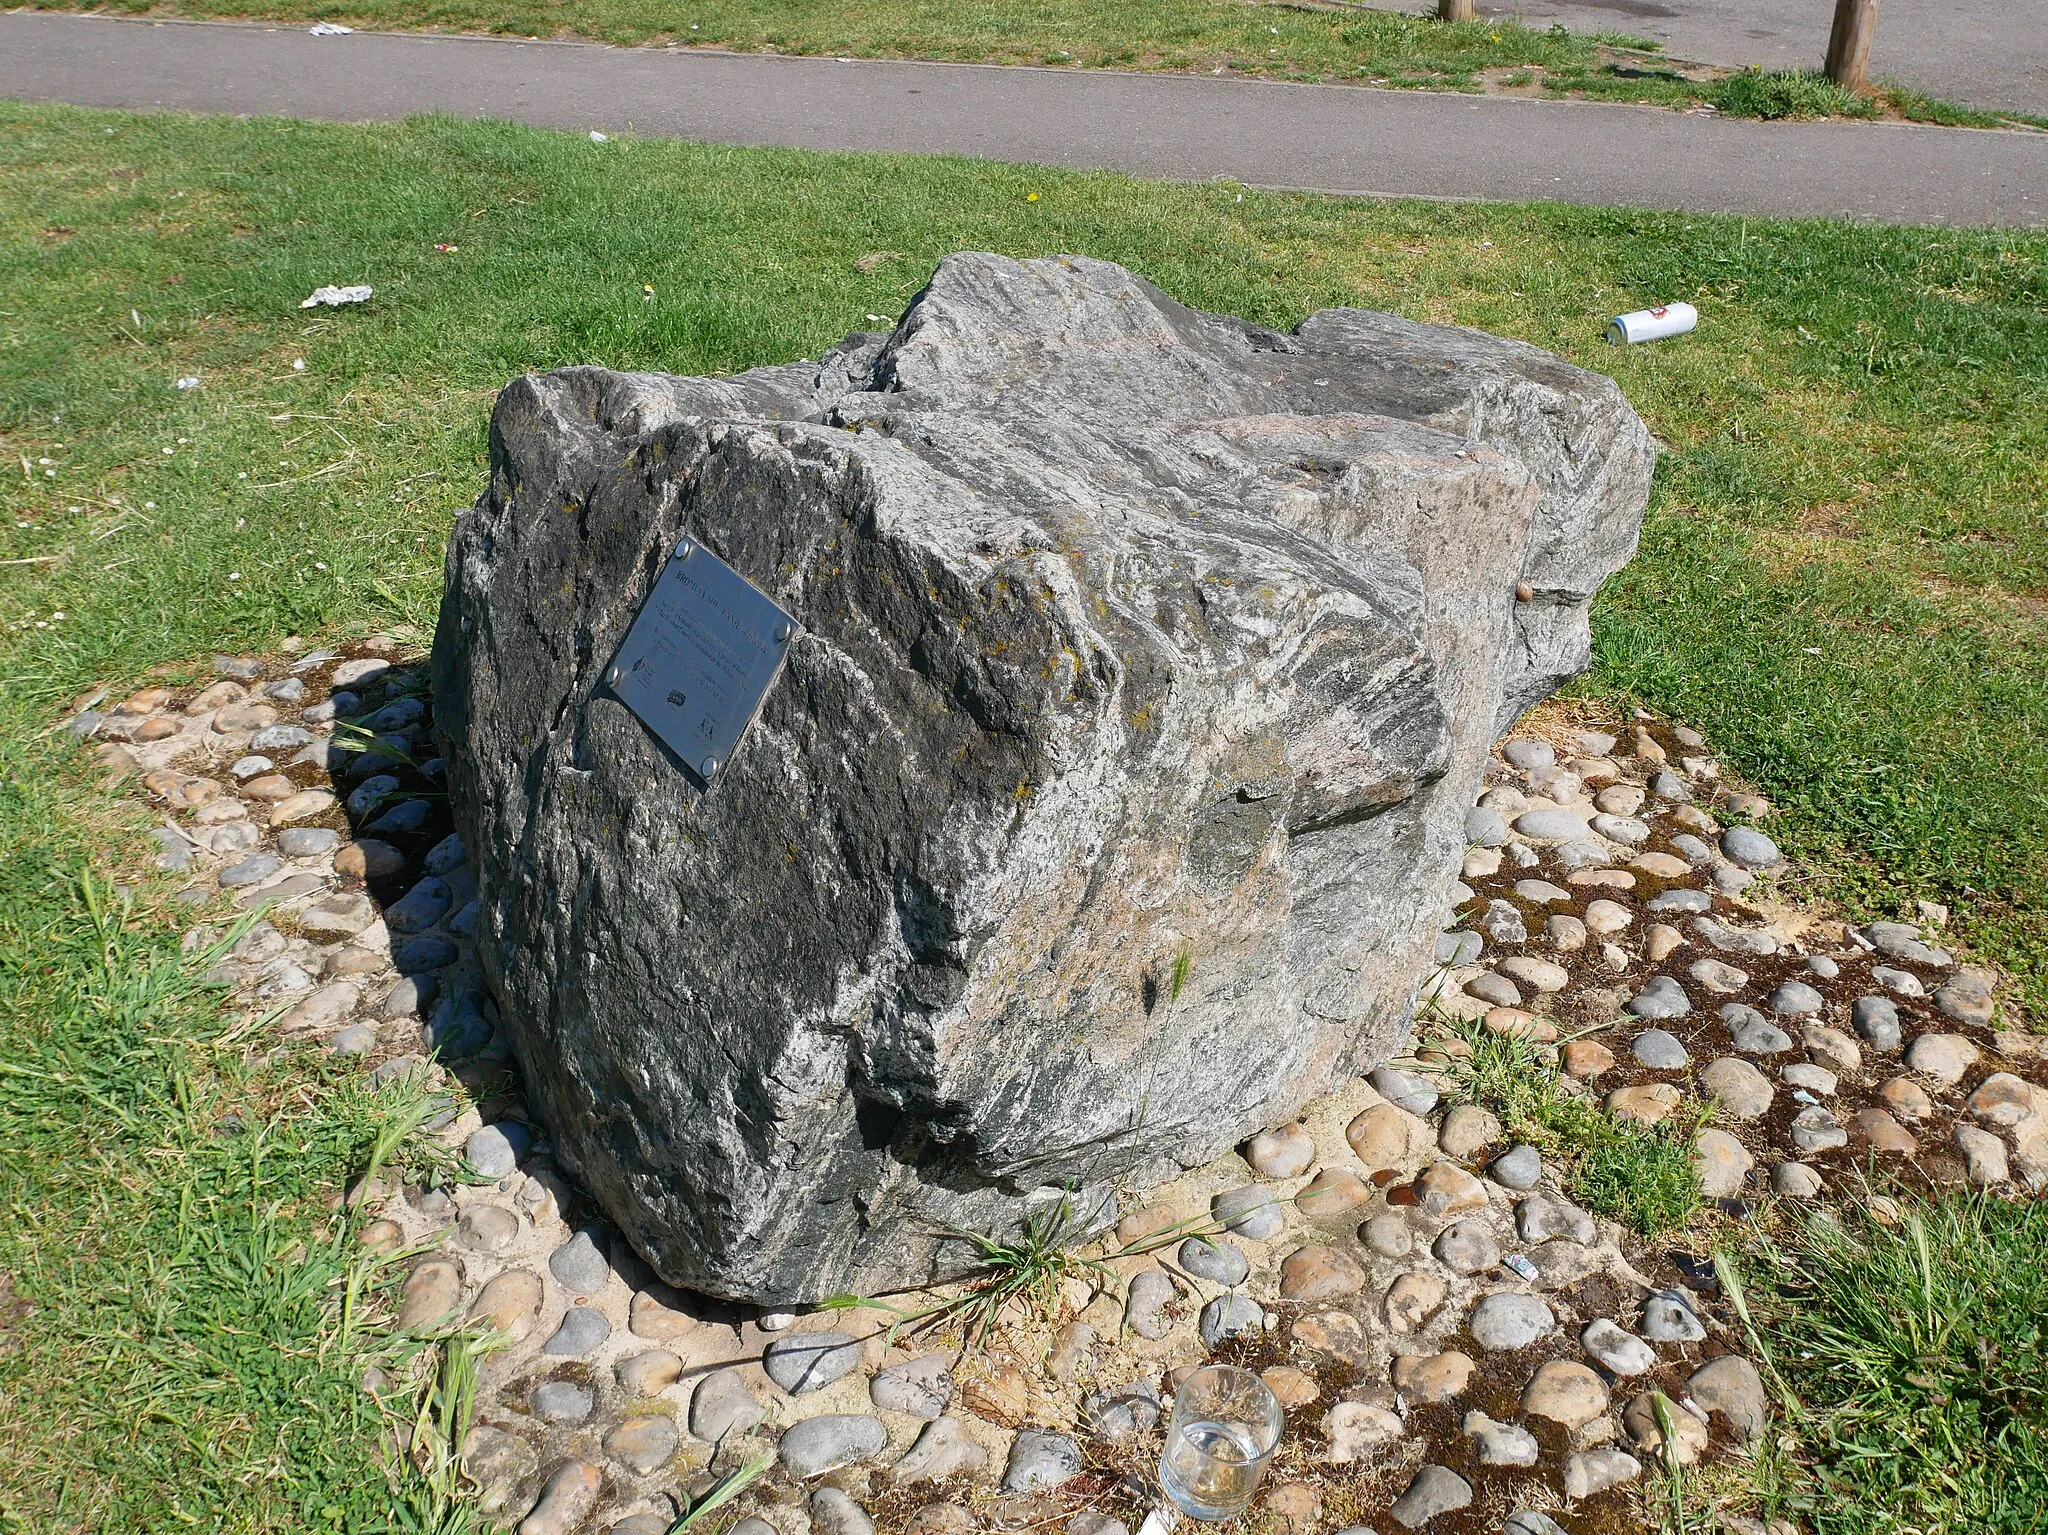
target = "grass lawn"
x: 1230, y: 37
x: 1911, y: 1365
x: 176, y: 1345
x: 1843, y: 581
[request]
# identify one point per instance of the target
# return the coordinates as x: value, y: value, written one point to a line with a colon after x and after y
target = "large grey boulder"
x: 1110, y: 799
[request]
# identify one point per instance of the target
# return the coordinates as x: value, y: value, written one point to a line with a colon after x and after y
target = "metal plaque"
x: 702, y: 654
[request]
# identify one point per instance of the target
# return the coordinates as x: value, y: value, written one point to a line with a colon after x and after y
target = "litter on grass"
x: 1651, y: 324
x: 333, y: 295
x: 599, y: 138
x: 330, y: 29
x: 189, y: 381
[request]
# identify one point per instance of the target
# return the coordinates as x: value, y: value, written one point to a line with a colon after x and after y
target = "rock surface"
x: 1126, y: 633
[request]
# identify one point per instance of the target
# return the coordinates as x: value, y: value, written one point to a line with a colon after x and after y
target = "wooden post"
x: 1454, y: 10
x: 1849, y: 43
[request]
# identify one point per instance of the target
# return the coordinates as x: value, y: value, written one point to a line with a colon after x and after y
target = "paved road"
x: 1984, y: 53
x: 1322, y: 138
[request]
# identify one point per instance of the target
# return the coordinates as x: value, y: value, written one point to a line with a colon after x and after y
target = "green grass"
x: 1384, y: 47
x: 1842, y: 580
x: 1639, y: 1175
x: 185, y: 1323
x: 1843, y: 570
x: 1911, y: 1362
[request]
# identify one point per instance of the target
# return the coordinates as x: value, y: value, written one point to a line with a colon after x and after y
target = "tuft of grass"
x: 1015, y: 1273
x: 1642, y: 1176
x: 1911, y: 1364
x: 1019, y: 1275
x: 1786, y: 93
x: 448, y: 1367
x: 1023, y: 1271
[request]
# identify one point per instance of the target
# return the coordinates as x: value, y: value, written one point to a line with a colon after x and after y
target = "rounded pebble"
x: 308, y: 841
x: 1550, y: 825
x: 1231, y: 1316
x: 1751, y: 1032
x: 1742, y: 1090
x: 1435, y: 1490
x: 804, y: 1362
x: 583, y: 1330
x: 1518, y: 1167
x: 813, y: 1446
x: 1794, y: 999
x: 1660, y: 1050
x: 1250, y: 1212
x: 1484, y: 828
x: 579, y: 1264
x: 1795, y: 1180
x: 723, y: 1405
x: 1041, y: 1460
x: 250, y: 871
x: 1661, y: 997
x: 919, y: 1388
x: 1877, y: 1020
x: 643, y: 1443
x: 495, y: 1151
x: 1467, y: 1247
x: 1617, y: 1350
x: 1749, y: 848
x: 562, y: 1401
x: 1504, y: 1322
x: 1405, y: 1091
x: 1668, y: 1317
x: 834, y: 1513
x: 1216, y: 1261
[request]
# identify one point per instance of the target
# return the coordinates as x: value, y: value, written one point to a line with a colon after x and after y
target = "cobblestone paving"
x: 1459, y: 1345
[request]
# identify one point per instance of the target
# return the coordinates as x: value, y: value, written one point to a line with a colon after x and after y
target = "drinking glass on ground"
x: 1226, y: 1425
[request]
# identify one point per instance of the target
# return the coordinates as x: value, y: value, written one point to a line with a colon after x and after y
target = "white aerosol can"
x: 1652, y: 324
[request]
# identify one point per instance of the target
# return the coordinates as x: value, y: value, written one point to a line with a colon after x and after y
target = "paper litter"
x: 333, y: 295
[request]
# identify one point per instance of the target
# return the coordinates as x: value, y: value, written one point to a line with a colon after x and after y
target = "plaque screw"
x: 683, y: 549
x: 614, y: 677
x: 708, y: 766
x: 782, y: 634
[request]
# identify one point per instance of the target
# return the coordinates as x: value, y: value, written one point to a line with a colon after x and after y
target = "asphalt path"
x: 1341, y: 139
x: 1982, y: 53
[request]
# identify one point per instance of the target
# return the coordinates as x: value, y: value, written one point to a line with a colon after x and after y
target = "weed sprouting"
x: 433, y: 1499
x: 1023, y: 1273
x: 724, y: 1493
x: 1640, y: 1175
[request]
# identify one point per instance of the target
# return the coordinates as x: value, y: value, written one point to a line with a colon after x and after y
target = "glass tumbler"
x: 1226, y: 1425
